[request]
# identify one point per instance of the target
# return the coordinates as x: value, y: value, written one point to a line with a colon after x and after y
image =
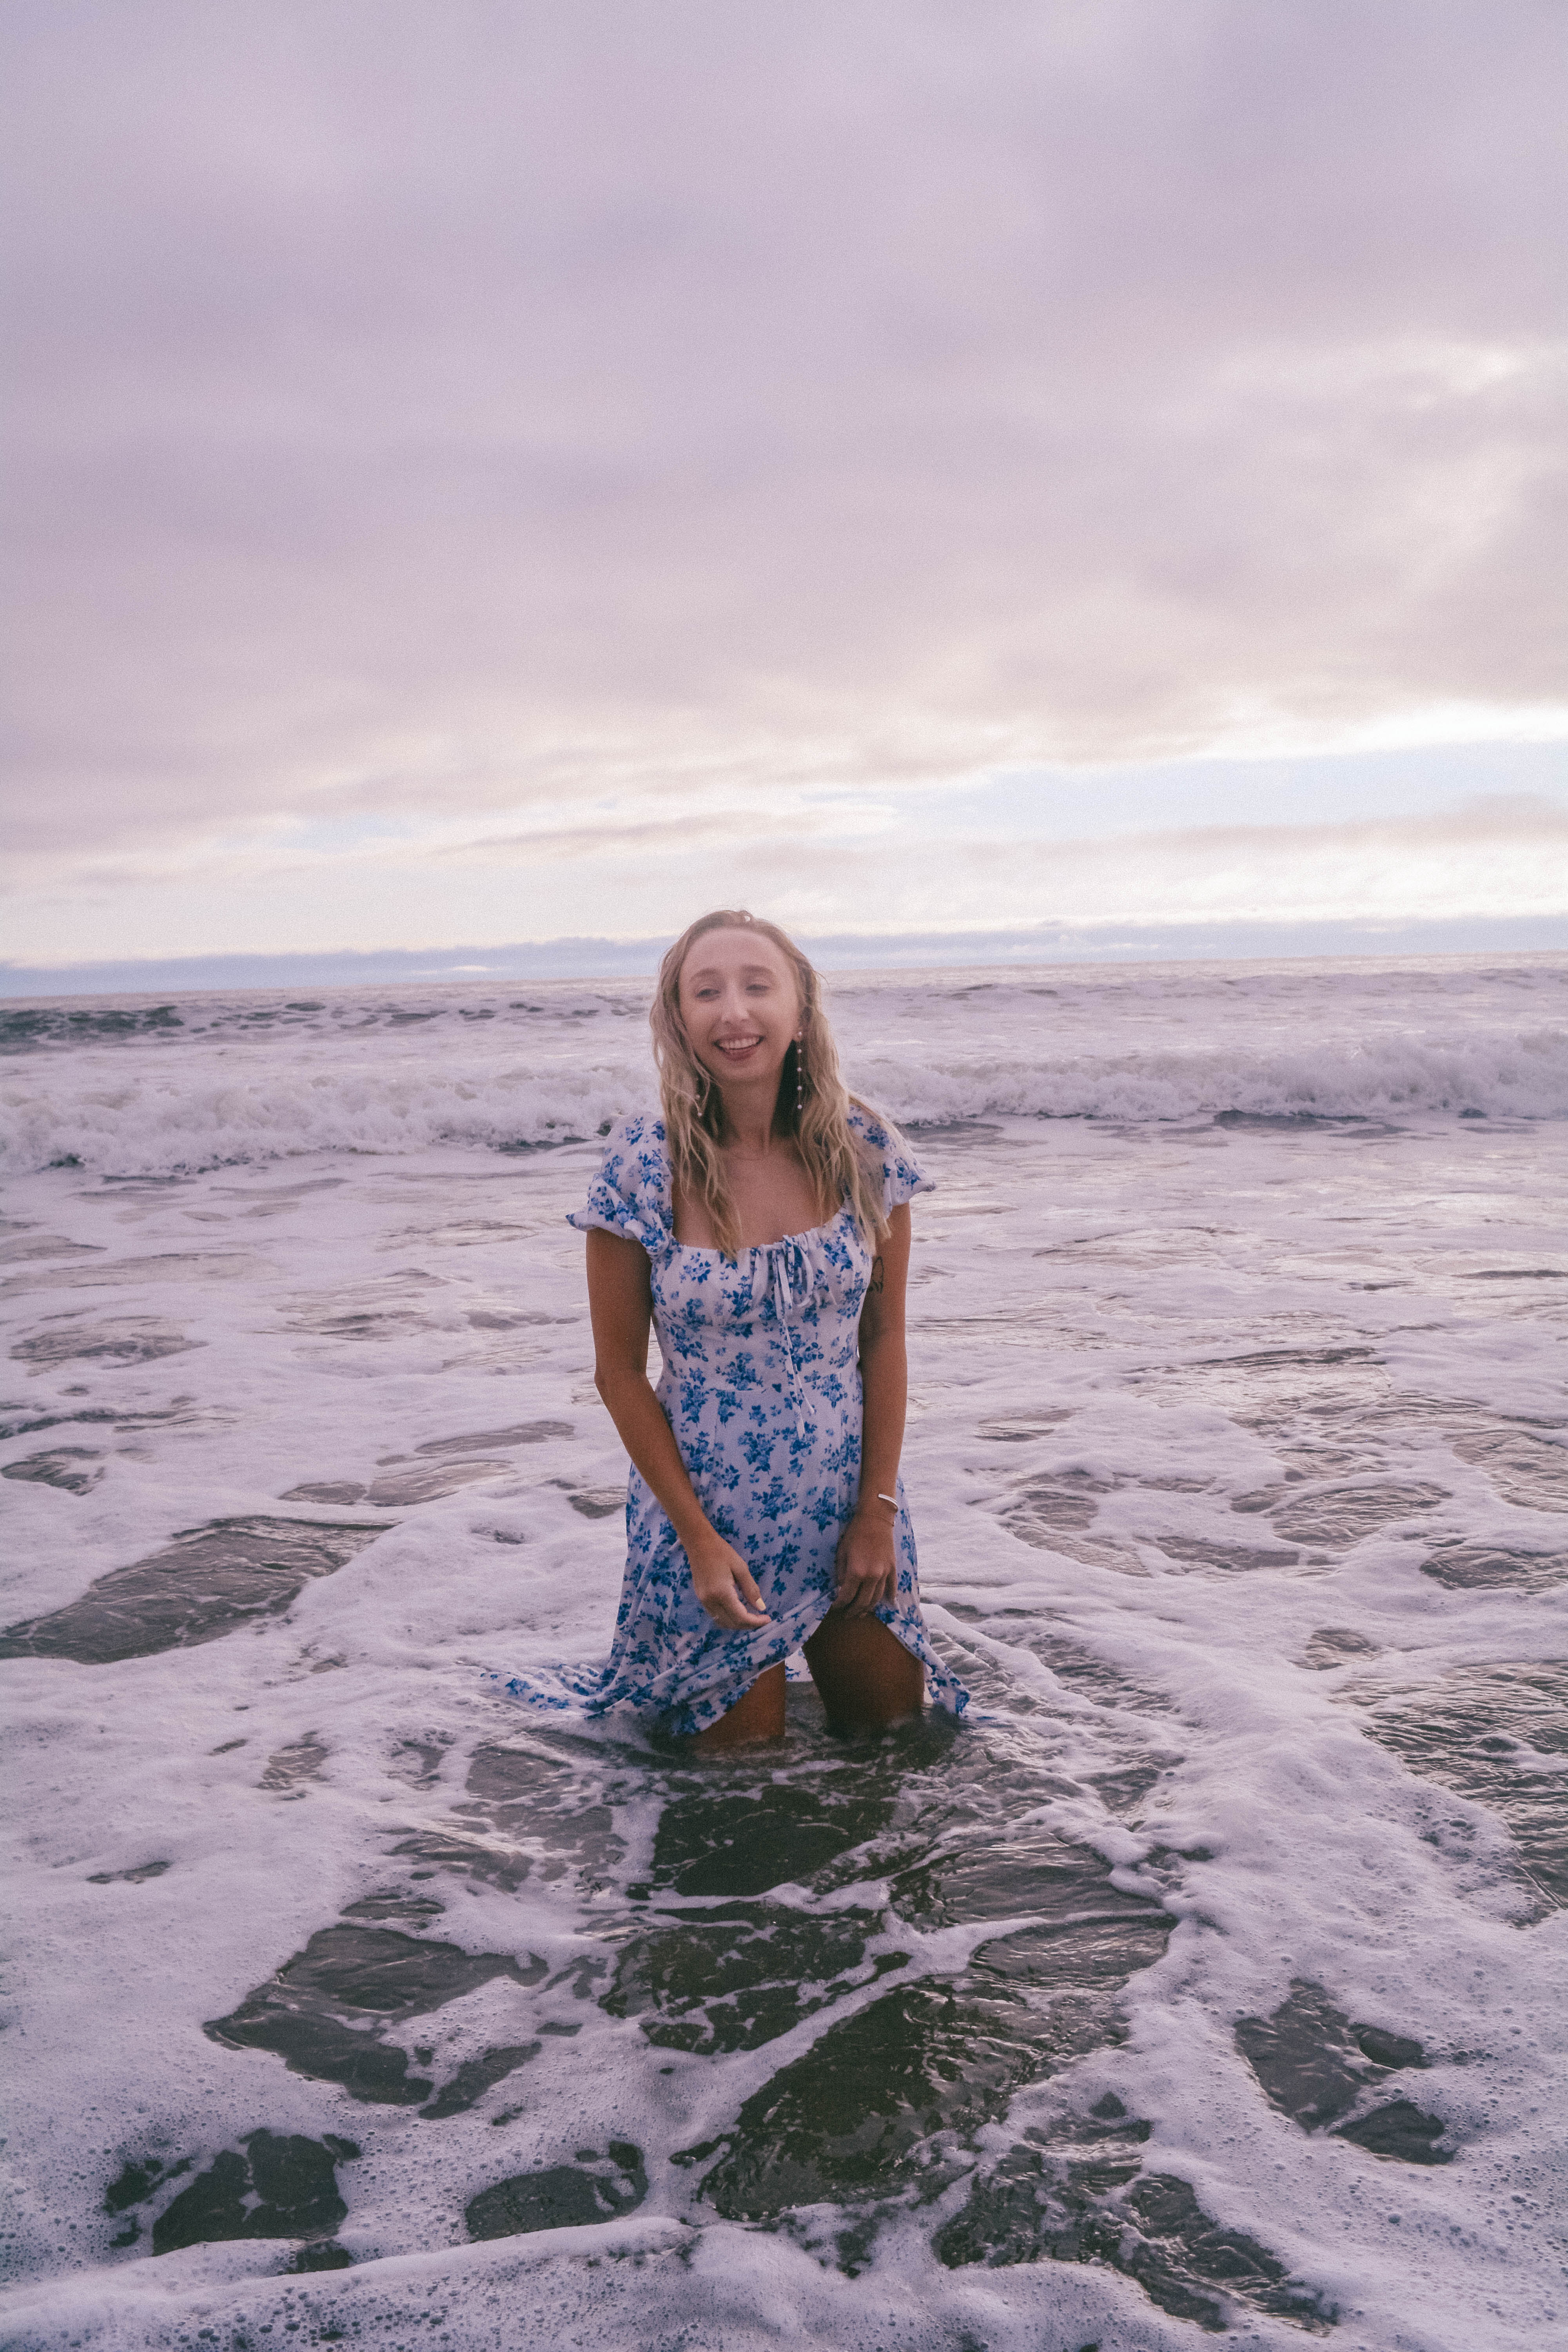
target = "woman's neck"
x: 749, y: 1122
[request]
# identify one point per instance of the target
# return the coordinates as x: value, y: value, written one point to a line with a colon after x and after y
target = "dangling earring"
x: 799, y: 1074
x: 703, y: 1084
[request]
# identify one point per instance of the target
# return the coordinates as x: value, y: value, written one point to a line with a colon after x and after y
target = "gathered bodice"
x: 803, y: 1294
x: 779, y: 1316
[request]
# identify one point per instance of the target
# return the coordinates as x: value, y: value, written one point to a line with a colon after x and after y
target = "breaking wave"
x: 130, y: 1087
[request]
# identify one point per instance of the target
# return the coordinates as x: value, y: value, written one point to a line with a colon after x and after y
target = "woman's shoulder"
x: 636, y: 1140
x: 882, y: 1144
x: 630, y: 1194
x: 865, y: 1123
x: 879, y: 1136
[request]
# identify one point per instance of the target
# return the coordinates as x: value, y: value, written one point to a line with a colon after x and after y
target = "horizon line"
x: 588, y: 957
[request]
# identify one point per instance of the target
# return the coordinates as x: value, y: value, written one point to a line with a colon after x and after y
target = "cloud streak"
x: 1499, y: 861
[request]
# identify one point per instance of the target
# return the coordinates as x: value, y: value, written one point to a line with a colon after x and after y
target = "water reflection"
x: 1497, y: 1734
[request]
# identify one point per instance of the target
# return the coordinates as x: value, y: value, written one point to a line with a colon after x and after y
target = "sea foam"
x: 1212, y: 1973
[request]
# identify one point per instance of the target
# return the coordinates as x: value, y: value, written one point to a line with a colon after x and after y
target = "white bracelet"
x: 889, y: 1498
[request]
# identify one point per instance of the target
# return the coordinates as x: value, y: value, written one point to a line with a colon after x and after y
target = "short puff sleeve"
x: 902, y: 1177
x: 631, y: 1193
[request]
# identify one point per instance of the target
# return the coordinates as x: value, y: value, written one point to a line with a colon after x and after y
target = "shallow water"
x: 1208, y: 1978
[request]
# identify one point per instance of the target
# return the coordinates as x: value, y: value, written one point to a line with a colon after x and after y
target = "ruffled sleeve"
x: 630, y: 1195
x: 902, y: 1177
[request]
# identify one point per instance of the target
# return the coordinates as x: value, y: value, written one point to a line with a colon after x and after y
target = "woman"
x: 761, y: 1226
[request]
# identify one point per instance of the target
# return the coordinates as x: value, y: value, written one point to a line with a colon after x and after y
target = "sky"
x: 502, y: 474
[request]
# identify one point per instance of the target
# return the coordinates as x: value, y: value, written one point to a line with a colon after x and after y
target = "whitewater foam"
x: 1239, y: 1458
x: 139, y: 1086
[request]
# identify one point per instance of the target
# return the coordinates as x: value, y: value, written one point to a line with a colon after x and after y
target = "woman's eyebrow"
x: 748, y: 971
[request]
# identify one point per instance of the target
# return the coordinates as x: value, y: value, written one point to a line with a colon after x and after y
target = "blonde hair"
x: 844, y: 1169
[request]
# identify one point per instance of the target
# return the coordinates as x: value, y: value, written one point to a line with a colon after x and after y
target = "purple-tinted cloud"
x: 439, y: 410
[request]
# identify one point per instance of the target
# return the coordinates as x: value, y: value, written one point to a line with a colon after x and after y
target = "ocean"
x: 1211, y: 1976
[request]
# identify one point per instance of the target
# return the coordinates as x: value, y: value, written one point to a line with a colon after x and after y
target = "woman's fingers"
x: 736, y: 1618
x: 728, y: 1608
x: 858, y: 1594
x: 731, y: 1596
x: 868, y: 1568
x: 749, y: 1602
x: 731, y: 1608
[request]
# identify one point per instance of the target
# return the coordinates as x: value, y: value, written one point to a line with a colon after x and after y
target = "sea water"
x: 1210, y: 1976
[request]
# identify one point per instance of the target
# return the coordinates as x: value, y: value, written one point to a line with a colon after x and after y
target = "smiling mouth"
x: 737, y: 1044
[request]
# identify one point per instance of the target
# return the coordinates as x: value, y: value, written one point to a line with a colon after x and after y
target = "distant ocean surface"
x: 1211, y: 1977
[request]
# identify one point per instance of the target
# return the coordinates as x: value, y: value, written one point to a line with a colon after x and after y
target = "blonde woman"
x: 761, y: 1226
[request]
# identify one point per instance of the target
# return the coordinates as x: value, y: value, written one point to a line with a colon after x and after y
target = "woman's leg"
x: 867, y: 1678
x: 759, y: 1715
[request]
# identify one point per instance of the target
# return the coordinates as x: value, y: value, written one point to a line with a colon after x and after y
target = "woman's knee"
x: 760, y: 1714
x: 866, y: 1676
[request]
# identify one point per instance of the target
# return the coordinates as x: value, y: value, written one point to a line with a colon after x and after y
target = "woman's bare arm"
x: 620, y: 1300
x: 868, y: 1560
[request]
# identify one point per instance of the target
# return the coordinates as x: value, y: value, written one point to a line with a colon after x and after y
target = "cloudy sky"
x: 491, y: 471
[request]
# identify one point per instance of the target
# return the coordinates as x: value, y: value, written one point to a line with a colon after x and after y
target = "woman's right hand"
x: 726, y: 1587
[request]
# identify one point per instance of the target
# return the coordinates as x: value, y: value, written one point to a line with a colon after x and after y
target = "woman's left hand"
x: 867, y: 1562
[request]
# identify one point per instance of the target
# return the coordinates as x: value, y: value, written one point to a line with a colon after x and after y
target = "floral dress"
x: 762, y: 1387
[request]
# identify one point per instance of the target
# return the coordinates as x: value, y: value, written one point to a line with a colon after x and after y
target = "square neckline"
x: 701, y: 1249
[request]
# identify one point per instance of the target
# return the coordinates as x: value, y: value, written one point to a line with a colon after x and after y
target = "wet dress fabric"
x: 760, y: 1385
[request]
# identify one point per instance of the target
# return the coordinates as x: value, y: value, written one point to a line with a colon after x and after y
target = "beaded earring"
x: 799, y: 1074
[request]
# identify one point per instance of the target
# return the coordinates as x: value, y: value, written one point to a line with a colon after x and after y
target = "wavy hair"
x: 845, y: 1170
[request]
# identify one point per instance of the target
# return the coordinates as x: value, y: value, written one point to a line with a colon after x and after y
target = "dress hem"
x: 687, y: 1715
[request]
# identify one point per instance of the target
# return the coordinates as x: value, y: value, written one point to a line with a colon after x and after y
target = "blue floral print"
x: 762, y: 1386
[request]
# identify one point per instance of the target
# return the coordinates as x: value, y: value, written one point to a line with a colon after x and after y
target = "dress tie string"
x: 787, y: 1261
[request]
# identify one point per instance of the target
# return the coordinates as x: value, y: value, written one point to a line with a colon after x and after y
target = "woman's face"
x: 740, y: 1006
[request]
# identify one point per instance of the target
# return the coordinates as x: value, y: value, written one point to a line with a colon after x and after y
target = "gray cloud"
x: 441, y: 410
